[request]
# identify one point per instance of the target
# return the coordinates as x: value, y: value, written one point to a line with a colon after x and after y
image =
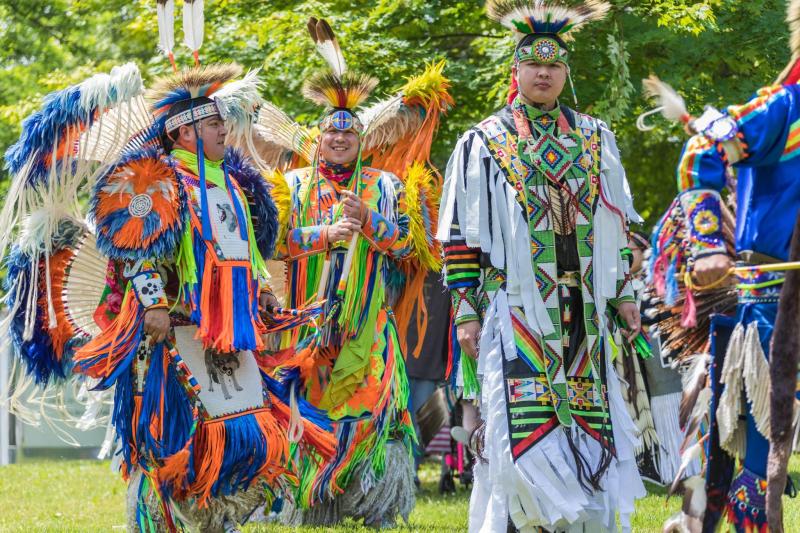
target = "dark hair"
x: 640, y: 239
x: 168, y: 137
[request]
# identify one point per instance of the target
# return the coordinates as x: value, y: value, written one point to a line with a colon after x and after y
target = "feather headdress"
x: 190, y: 83
x: 338, y: 87
x: 527, y: 17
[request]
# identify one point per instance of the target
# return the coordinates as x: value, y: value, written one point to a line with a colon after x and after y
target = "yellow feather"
x: 282, y: 196
x: 421, y: 193
x: 430, y: 87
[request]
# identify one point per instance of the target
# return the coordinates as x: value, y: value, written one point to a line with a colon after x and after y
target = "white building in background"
x: 18, y: 440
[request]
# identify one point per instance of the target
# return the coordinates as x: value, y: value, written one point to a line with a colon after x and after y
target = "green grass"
x: 85, y: 496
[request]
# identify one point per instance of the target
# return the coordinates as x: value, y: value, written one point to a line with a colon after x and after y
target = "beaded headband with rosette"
x: 542, y: 28
x: 187, y: 96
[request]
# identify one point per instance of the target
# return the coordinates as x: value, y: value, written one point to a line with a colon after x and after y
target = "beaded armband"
x: 462, y: 275
x: 147, y: 284
x: 703, y: 222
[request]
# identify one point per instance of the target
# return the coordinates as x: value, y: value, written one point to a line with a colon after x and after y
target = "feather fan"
x: 672, y: 104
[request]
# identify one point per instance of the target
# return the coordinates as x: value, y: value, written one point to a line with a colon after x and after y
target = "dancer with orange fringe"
x: 348, y: 225
x: 180, y: 229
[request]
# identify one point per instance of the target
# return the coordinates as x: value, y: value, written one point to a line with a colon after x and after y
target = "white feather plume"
x: 193, y: 24
x: 673, y: 107
x: 327, y: 45
x: 166, y: 25
x: 95, y: 93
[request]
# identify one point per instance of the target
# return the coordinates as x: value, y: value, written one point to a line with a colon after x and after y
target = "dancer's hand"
x: 343, y: 230
x: 353, y: 206
x: 711, y: 268
x: 266, y: 301
x: 629, y: 312
x: 156, y: 324
x: 468, y: 334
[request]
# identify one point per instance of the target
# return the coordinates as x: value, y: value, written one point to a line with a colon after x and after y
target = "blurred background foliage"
x: 714, y: 51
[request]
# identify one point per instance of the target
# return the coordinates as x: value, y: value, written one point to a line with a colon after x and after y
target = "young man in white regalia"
x: 534, y: 220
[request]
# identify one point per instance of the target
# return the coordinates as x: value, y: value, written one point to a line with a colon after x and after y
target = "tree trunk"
x: 783, y: 377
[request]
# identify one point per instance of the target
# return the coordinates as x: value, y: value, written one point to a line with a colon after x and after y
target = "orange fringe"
x: 216, y: 329
x: 209, y: 450
x: 323, y: 442
x: 412, y: 298
x: 105, y: 344
x: 64, y: 330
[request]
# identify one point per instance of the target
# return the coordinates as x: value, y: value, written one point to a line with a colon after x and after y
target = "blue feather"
x: 37, y: 353
x: 60, y: 110
x: 257, y: 190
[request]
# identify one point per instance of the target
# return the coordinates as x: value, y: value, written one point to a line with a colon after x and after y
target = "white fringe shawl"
x: 745, y: 369
x: 541, y: 488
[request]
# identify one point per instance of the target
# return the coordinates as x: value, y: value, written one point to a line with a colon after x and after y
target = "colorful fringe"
x: 222, y: 296
x: 163, y: 427
x: 370, y: 417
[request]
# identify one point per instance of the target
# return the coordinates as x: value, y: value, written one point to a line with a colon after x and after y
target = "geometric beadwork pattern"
x: 573, y: 160
x: 550, y: 157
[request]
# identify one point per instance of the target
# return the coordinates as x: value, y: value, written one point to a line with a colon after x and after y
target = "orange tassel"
x: 105, y: 345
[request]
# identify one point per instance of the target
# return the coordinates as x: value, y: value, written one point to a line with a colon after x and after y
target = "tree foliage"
x: 716, y: 52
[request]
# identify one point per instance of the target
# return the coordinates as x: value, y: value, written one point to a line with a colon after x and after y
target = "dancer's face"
x: 541, y: 84
x: 339, y: 147
x: 212, y: 130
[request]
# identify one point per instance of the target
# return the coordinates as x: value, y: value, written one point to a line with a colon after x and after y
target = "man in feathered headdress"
x: 753, y: 378
x: 347, y: 224
x: 184, y: 226
x: 534, y: 220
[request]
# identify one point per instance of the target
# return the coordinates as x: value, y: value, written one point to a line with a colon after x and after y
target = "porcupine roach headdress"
x: 542, y: 28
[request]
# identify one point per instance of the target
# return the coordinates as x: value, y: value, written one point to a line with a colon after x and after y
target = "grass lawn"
x: 84, y: 496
